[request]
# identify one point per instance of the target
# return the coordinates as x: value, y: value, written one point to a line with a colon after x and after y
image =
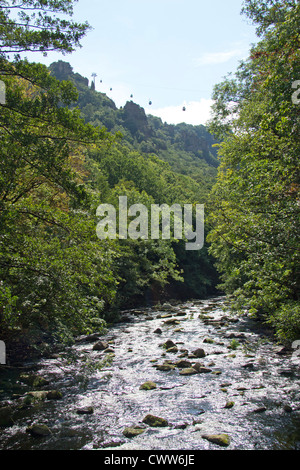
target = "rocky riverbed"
x: 187, y: 376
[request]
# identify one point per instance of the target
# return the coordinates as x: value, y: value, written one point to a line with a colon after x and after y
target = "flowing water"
x: 246, y: 389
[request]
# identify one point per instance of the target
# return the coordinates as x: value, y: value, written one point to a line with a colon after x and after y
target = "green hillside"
x: 188, y: 149
x: 74, y: 151
x: 66, y: 150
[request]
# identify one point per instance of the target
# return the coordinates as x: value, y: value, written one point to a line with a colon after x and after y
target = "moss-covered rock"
x: 202, y: 369
x: 174, y: 349
x: 155, y: 421
x: 38, y: 430
x: 33, y: 380
x: 188, y: 371
x: 148, y: 385
x: 172, y: 321
x: 165, y: 367
x: 182, y: 364
x: 229, y: 404
x: 133, y: 431
x: 169, y: 344
x: 219, y: 439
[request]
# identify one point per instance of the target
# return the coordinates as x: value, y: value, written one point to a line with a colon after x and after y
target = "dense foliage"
x: 188, y: 149
x: 155, y: 163
x: 66, y: 149
x: 255, y: 203
x: 58, y: 163
x: 53, y: 271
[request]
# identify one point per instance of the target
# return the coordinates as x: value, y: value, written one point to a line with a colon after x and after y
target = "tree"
x: 35, y: 128
x: 54, y: 272
x: 255, y: 203
x: 31, y: 25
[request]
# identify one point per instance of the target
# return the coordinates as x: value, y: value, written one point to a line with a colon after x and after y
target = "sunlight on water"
x: 243, y: 388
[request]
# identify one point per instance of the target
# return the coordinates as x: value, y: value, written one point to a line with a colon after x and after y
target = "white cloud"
x: 197, y: 112
x: 210, y: 58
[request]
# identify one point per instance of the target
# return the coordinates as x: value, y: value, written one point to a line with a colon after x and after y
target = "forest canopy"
x: 62, y: 155
x: 255, y: 202
x: 66, y: 148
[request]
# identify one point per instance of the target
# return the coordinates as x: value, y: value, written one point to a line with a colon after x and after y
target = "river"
x: 244, y: 388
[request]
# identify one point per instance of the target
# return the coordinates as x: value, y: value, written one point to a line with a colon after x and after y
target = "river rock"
x: 100, y: 346
x: 38, y: 395
x: 33, y: 380
x: 248, y: 365
x: 173, y: 349
x: 183, y: 364
x: 86, y: 410
x: 148, y: 385
x: 287, y: 372
x: 260, y: 409
x: 158, y: 331
x: 168, y: 344
x: 229, y: 404
x: 155, y: 421
x: 208, y: 340
x: 200, y: 368
x: 282, y: 350
x: 124, y: 319
x: 181, y: 313
x: 6, y: 414
x: 181, y: 426
x: 199, y: 353
x: 38, y: 430
x: 133, y: 431
x: 165, y: 367
x: 188, y: 371
x: 54, y: 395
x: 197, y: 366
x: 167, y: 306
x: 184, y: 354
x: 172, y: 321
x: 219, y: 439
x: 87, y: 338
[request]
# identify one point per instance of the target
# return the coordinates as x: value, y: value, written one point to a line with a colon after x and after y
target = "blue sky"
x: 171, y: 52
